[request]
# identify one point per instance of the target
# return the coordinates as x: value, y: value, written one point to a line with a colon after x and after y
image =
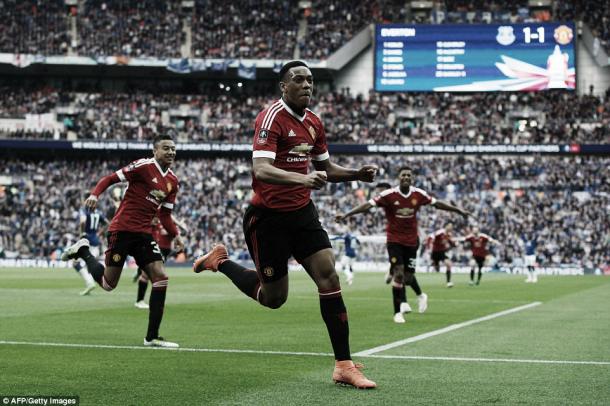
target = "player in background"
x: 349, y: 255
x: 401, y: 204
x: 439, y: 243
x: 152, y: 186
x: 530, y: 243
x: 282, y: 220
x: 92, y: 224
x: 164, y: 240
x: 478, y: 245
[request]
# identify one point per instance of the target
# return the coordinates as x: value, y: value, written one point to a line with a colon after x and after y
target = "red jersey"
x: 401, y: 213
x: 149, y: 189
x: 161, y: 236
x: 478, y: 244
x: 291, y: 140
x: 441, y: 241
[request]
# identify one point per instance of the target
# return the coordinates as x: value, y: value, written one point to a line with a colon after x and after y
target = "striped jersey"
x: 149, y: 189
x: 291, y: 141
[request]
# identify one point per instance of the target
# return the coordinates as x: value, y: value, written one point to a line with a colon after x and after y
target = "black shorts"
x: 274, y: 236
x: 438, y: 256
x: 403, y: 255
x: 480, y: 261
x: 141, y: 246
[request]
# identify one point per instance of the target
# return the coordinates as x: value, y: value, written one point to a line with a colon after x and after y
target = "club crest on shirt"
x: 262, y: 137
x: 312, y: 132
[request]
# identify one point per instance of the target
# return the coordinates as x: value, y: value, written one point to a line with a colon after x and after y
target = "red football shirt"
x: 292, y: 141
x: 478, y: 245
x: 401, y: 213
x: 441, y: 241
x: 149, y: 189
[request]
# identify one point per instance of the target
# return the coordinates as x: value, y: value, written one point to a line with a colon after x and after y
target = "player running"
x: 440, y: 242
x: 478, y: 245
x: 282, y: 220
x: 152, y: 185
x: 401, y: 204
x: 349, y: 255
x: 92, y: 222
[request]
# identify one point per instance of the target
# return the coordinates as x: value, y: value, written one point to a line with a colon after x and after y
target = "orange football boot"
x: 348, y: 373
x: 211, y: 260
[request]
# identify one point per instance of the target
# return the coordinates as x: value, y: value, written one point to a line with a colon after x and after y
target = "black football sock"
x: 448, y: 275
x: 335, y: 316
x: 245, y: 279
x: 472, y: 274
x: 93, y: 266
x: 479, y: 275
x: 399, y: 295
x: 415, y: 286
x: 157, y: 304
x: 141, y: 290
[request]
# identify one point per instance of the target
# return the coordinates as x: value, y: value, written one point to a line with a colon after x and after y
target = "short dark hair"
x: 405, y: 168
x: 289, y: 65
x: 161, y: 137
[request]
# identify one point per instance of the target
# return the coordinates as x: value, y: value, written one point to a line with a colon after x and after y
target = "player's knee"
x: 408, y: 278
x: 108, y: 284
x: 276, y: 301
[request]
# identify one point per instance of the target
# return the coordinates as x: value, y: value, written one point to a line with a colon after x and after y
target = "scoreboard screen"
x: 475, y: 57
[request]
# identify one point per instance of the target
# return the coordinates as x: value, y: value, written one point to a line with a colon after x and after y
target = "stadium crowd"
x: 413, y: 118
x: 252, y: 29
x: 510, y: 196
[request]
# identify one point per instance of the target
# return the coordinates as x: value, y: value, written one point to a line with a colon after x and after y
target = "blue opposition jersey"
x: 92, y: 220
x: 530, y: 246
x: 350, y: 242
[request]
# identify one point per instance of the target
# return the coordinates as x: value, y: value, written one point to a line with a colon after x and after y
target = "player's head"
x: 296, y: 84
x: 164, y: 149
x: 405, y: 176
x: 448, y: 227
x: 475, y: 230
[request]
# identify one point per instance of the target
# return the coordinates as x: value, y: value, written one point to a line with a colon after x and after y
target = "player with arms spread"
x: 282, y: 221
x: 478, y: 245
x: 152, y: 185
x: 401, y: 205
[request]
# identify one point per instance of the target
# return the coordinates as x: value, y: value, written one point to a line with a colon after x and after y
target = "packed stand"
x: 148, y: 28
x: 596, y: 13
x: 563, y: 201
x: 34, y: 27
x: 552, y: 117
x: 253, y: 29
x: 331, y: 24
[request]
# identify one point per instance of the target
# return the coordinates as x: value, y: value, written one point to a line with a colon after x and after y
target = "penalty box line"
x: 289, y: 353
x: 444, y: 330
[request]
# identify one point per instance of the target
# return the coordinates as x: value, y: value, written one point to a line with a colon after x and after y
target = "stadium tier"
x: 254, y: 29
x: 400, y: 118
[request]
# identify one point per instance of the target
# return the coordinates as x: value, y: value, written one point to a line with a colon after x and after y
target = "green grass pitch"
x: 54, y: 342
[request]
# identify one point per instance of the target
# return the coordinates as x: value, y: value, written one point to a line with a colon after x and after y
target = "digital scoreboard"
x: 475, y: 57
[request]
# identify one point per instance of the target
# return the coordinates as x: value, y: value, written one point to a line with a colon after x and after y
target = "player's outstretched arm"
x: 265, y: 172
x: 337, y: 173
x: 449, y: 207
x: 102, y: 185
x: 356, y: 210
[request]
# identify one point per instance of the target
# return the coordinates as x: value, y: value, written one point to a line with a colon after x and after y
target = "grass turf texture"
x: 207, y: 312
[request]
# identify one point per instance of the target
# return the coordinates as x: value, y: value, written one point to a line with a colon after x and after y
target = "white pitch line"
x: 445, y: 330
x: 312, y: 354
